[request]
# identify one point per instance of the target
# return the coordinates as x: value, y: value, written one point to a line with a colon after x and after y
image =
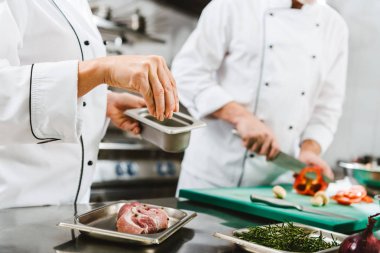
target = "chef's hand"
x: 310, y: 154
x: 256, y: 136
x: 117, y: 104
x: 146, y: 75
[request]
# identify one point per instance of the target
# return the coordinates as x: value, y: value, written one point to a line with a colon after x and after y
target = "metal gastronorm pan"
x: 101, y: 223
x: 369, y: 177
x: 171, y: 135
x: 257, y: 248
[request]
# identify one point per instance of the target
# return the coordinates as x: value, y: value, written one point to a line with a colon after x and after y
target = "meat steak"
x: 136, y: 218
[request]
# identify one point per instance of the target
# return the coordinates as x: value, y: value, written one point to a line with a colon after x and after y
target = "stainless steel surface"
x: 366, y: 175
x: 101, y: 223
x: 253, y: 247
x: 287, y: 204
x: 34, y: 230
x: 171, y: 135
x: 122, y: 27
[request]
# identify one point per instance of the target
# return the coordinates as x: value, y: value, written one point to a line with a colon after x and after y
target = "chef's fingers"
x: 274, y: 150
x: 265, y: 148
x: 327, y: 171
x: 136, y: 130
x: 137, y: 102
x: 130, y: 101
x: 257, y: 146
x: 248, y: 143
x: 125, y: 123
x: 158, y: 93
x: 147, y: 92
x: 174, y: 87
x: 170, y: 103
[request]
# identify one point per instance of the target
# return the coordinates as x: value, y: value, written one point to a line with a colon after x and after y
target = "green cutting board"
x: 238, y: 199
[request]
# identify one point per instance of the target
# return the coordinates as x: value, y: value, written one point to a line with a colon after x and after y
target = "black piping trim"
x: 258, y: 91
x: 81, y: 138
x: 72, y: 27
x: 42, y: 140
x: 80, y: 177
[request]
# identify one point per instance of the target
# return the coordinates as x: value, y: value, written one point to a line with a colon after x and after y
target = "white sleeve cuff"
x: 209, y: 101
x: 54, y: 107
x: 320, y: 134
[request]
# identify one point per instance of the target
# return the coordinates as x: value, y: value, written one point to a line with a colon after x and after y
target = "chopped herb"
x: 288, y: 237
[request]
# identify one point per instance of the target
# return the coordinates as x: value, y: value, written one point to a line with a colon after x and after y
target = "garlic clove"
x: 279, y: 192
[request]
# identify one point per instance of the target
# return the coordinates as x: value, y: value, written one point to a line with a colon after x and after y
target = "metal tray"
x: 370, y: 177
x: 171, y: 135
x: 257, y: 248
x: 101, y: 223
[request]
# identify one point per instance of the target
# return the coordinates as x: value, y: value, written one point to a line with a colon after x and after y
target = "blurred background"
x: 127, y: 165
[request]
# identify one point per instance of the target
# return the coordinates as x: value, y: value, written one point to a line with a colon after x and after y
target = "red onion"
x: 365, y: 242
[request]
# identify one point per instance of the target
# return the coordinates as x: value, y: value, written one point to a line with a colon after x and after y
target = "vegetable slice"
x: 306, y: 185
x: 355, y: 194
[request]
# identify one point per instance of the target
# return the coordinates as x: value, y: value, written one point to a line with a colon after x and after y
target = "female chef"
x: 274, y: 70
x: 54, y: 100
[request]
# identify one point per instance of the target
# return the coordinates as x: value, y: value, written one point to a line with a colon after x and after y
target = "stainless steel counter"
x: 34, y: 230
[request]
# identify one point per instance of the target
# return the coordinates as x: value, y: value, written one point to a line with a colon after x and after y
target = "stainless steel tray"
x: 101, y: 223
x: 171, y: 135
x: 257, y: 248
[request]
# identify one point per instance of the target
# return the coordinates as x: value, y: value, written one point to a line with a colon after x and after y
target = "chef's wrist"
x: 90, y: 74
x: 232, y: 112
x: 310, y: 145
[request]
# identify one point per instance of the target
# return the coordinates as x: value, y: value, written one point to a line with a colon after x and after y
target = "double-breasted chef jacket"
x: 47, y: 134
x: 287, y: 66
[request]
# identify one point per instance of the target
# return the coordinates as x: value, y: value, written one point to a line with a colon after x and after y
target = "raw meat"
x: 136, y: 218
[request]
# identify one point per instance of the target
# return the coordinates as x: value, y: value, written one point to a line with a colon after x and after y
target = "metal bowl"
x: 370, y: 177
x: 171, y: 135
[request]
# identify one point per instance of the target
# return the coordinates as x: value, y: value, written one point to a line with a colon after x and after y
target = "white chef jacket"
x: 287, y: 66
x: 41, y: 118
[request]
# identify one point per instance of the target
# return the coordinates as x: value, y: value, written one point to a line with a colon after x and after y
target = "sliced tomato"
x: 344, y: 201
x: 355, y: 194
x: 367, y: 199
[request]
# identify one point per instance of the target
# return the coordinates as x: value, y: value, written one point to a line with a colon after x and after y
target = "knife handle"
x: 273, y: 202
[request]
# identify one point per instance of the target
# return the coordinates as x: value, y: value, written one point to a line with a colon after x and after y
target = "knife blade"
x: 287, y: 204
x: 287, y: 162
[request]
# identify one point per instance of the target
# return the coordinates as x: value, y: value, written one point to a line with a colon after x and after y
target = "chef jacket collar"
x: 274, y: 4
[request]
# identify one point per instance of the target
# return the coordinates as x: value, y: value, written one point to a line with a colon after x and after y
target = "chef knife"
x: 288, y: 162
x: 286, y: 204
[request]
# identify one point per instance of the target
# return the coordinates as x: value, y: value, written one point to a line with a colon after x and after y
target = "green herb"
x: 287, y: 237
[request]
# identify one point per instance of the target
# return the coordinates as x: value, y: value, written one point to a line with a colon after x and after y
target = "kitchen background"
x: 127, y: 164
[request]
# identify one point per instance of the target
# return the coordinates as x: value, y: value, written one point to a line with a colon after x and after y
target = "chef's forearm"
x: 231, y: 112
x: 311, y: 145
x: 90, y: 74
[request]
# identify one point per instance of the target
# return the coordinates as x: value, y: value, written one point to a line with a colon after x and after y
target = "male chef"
x: 272, y: 70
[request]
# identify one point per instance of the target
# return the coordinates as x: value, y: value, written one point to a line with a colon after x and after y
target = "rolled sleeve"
x: 319, y: 133
x: 210, y: 100
x: 54, y: 110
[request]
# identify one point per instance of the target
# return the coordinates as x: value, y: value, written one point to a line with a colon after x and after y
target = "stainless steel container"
x: 101, y: 223
x: 171, y: 135
x: 368, y: 176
